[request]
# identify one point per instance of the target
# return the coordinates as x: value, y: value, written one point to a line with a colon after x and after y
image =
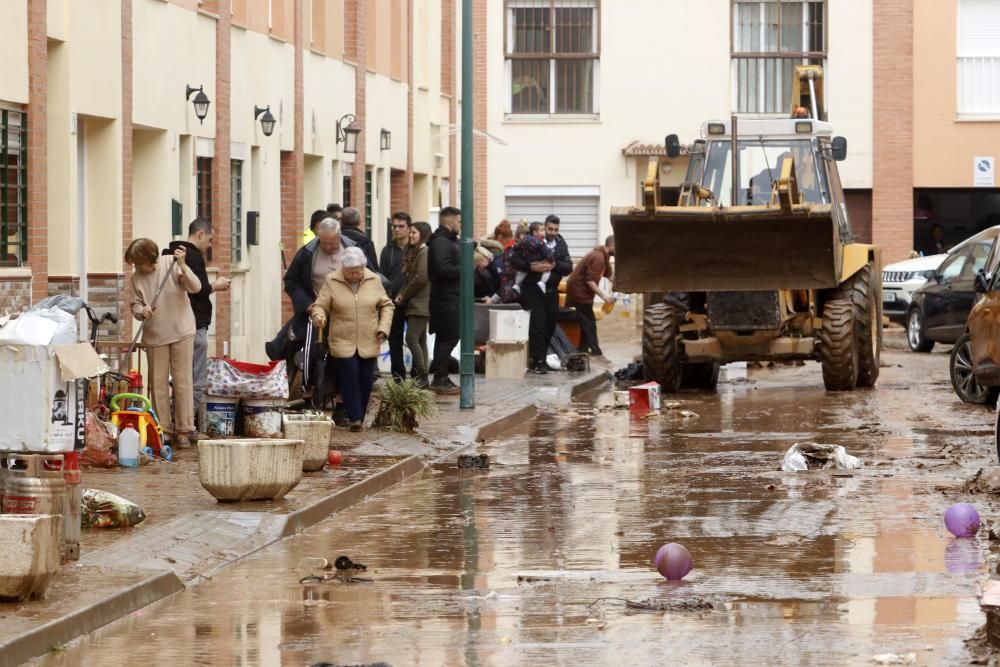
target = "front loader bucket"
x: 695, y: 248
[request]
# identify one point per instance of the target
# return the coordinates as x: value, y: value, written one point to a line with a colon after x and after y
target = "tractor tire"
x: 701, y: 376
x: 839, y: 346
x: 661, y: 355
x: 862, y: 290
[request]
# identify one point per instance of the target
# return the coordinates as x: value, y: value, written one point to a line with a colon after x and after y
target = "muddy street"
x: 531, y: 562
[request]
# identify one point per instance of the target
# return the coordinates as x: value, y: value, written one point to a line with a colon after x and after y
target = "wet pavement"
x: 530, y: 563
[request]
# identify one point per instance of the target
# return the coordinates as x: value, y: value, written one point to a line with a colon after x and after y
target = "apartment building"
x: 122, y: 119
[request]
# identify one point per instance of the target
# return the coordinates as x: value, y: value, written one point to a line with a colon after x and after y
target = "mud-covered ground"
x: 532, y: 561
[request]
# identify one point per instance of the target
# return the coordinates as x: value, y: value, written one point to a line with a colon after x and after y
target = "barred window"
x: 770, y: 37
x: 13, y: 189
x: 552, y: 55
x: 203, y: 192
x: 236, y: 208
x: 978, y: 58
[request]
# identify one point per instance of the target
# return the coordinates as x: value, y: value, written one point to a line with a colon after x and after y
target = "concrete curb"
x: 39, y: 641
x: 308, y: 516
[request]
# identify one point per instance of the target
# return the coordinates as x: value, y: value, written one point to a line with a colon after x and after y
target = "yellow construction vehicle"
x: 757, y: 260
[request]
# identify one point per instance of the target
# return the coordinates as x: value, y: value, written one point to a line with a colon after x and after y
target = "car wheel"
x: 963, y: 379
x: 915, y: 336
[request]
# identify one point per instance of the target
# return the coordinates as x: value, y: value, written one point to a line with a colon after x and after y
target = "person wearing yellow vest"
x: 335, y: 211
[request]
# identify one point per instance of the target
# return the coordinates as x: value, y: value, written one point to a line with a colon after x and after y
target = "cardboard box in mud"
x: 42, y: 393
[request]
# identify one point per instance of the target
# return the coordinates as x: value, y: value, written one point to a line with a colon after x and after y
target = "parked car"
x: 975, y: 359
x: 901, y: 279
x: 939, y: 309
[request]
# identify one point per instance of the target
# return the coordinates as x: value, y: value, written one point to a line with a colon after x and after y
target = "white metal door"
x: 577, y: 214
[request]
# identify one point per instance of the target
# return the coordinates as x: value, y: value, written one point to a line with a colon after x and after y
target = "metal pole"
x: 467, y: 399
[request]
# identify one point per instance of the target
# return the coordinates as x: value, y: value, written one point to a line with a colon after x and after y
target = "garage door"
x: 577, y: 215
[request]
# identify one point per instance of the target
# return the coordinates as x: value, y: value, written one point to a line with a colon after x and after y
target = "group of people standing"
x: 359, y: 300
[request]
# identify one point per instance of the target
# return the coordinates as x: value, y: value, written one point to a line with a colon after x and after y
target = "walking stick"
x: 135, y: 339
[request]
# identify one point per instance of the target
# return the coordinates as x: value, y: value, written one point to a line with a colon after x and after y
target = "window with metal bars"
x: 203, y: 191
x: 13, y: 188
x: 978, y: 59
x: 236, y: 208
x: 770, y: 37
x: 368, y: 201
x: 552, y: 50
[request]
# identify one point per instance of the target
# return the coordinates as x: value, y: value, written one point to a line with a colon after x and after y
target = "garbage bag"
x: 99, y: 443
x: 237, y: 379
x: 100, y: 509
x: 816, y: 456
x: 64, y: 302
x: 43, y: 326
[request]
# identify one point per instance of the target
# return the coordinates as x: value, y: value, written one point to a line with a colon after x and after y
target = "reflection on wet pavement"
x: 503, y: 567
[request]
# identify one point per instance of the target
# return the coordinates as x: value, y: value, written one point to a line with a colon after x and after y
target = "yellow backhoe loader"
x: 757, y: 260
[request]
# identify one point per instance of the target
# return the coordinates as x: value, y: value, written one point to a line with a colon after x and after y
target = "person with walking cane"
x: 160, y: 302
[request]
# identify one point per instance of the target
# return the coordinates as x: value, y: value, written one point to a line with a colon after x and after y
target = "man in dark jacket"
x: 391, y: 267
x: 350, y: 227
x: 445, y: 275
x: 533, y: 299
x: 303, y: 279
x: 563, y: 267
x: 200, y: 235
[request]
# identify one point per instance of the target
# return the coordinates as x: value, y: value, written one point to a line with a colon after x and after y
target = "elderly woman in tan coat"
x: 359, y: 312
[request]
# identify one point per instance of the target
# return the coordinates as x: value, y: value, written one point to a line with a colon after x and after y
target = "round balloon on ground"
x: 962, y: 520
x: 673, y: 561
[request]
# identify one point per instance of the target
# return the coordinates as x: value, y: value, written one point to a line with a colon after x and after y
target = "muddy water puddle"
x: 531, y: 562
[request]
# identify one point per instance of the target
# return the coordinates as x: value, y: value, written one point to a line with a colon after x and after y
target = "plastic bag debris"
x: 45, y: 326
x: 64, y: 302
x: 100, y: 509
x: 816, y: 456
x: 99, y: 443
x: 895, y: 659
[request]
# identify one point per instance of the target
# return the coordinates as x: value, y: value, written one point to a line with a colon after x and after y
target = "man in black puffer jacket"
x: 444, y: 271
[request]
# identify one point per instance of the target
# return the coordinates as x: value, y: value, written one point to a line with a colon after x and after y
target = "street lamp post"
x: 467, y: 398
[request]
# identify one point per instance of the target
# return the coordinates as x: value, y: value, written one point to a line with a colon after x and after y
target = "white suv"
x: 901, y: 279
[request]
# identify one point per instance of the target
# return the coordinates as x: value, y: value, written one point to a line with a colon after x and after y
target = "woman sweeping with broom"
x: 160, y: 301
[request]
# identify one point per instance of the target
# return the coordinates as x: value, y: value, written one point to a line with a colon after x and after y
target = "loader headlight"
x: 803, y: 127
x: 716, y: 128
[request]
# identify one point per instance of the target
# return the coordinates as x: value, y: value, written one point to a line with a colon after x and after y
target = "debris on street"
x: 985, y: 481
x: 477, y: 461
x: 101, y: 509
x: 816, y: 456
x: 895, y: 659
x: 687, y: 604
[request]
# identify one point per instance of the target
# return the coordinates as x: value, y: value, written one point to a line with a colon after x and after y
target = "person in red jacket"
x: 584, y: 285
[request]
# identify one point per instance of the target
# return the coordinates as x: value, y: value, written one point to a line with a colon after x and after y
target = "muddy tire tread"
x: 660, y: 351
x: 838, y: 346
x: 862, y: 292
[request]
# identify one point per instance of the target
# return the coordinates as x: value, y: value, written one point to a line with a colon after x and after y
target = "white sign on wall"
x: 983, y: 172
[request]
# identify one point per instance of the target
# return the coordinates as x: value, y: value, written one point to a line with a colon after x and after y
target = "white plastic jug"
x: 128, y: 447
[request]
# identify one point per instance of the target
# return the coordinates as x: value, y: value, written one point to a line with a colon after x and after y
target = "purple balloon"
x: 673, y: 561
x: 962, y: 520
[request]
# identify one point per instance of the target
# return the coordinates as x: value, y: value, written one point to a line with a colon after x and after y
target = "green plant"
x: 402, y: 405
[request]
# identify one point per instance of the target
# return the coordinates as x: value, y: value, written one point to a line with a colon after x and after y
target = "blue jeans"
x: 356, y: 377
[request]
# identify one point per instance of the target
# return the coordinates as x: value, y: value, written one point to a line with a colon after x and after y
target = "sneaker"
x: 196, y: 436
x: 355, y: 426
x: 444, y: 385
x: 181, y: 441
x: 421, y: 382
x: 540, y: 369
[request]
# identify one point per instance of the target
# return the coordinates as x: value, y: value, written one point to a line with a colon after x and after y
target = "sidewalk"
x: 187, y: 536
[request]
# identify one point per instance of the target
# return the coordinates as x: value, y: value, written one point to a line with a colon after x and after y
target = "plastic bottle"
x: 608, y: 306
x: 128, y: 447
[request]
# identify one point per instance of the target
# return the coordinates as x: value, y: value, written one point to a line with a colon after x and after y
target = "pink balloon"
x: 673, y: 561
x: 962, y: 520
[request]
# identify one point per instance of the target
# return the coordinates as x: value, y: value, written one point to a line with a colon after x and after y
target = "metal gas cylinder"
x: 34, y: 484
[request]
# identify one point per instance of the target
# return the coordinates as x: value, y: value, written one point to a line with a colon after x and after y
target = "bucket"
x: 220, y: 415
x: 262, y: 417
